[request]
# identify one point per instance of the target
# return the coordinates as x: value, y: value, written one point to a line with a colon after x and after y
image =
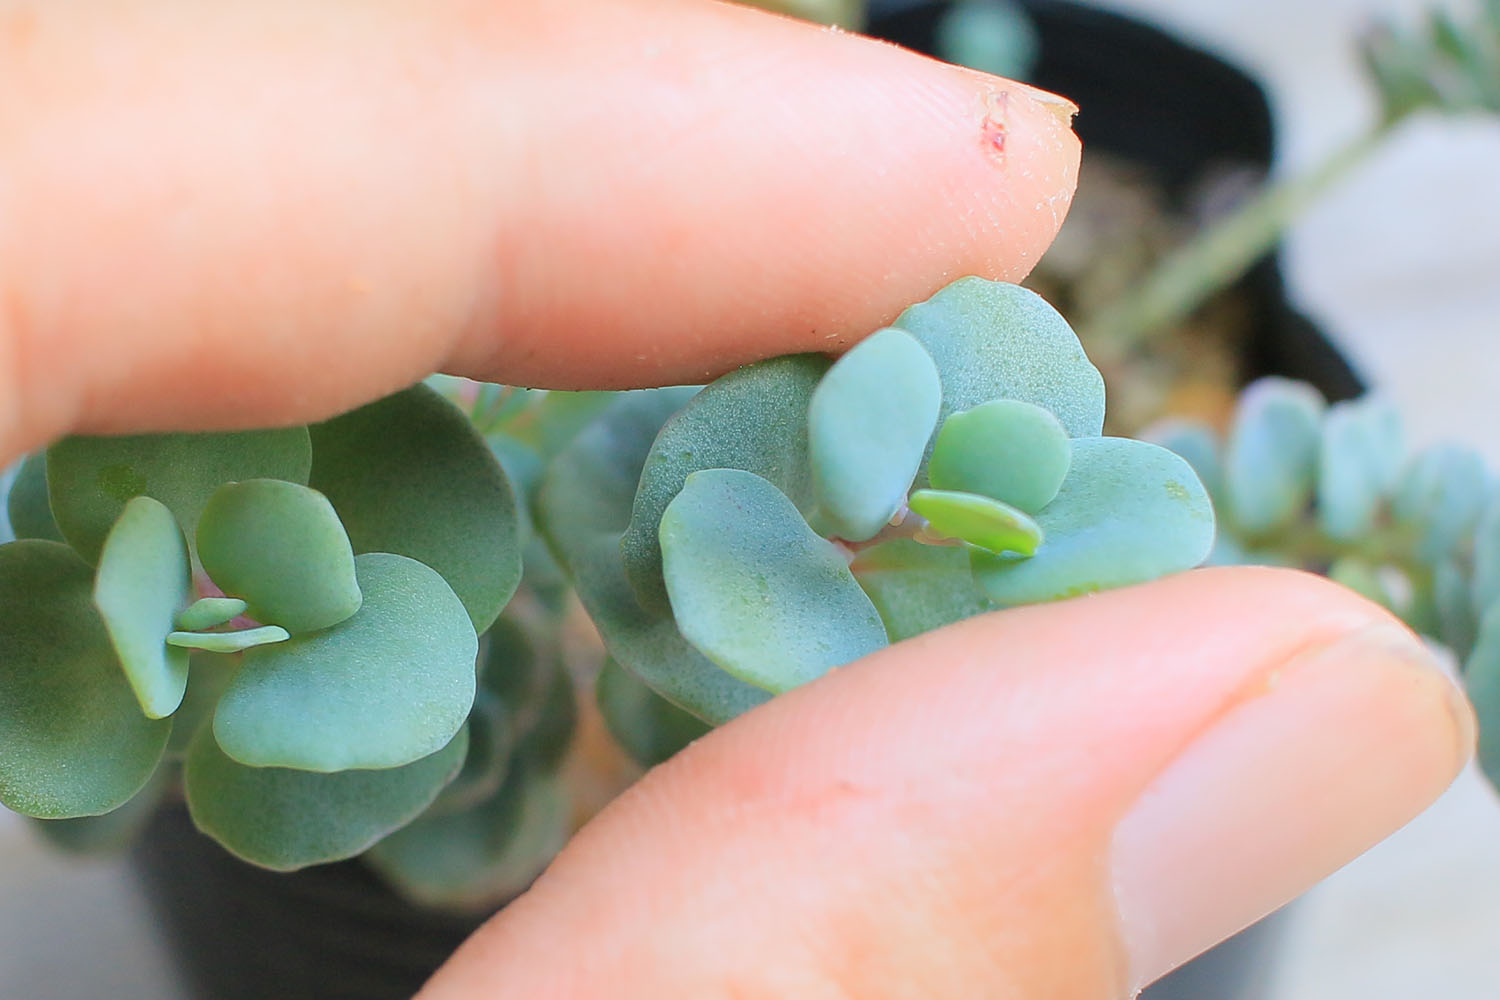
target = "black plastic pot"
x: 337, y: 933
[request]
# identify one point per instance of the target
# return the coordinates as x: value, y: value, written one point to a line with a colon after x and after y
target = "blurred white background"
x: 1403, y: 264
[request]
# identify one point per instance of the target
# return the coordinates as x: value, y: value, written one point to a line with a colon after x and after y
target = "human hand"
x: 245, y: 214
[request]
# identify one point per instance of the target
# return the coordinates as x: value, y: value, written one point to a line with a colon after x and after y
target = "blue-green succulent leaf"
x: 1457, y: 624
x: 755, y: 589
x: 1484, y: 588
x: 1362, y: 450
x: 409, y: 474
x: 108, y: 832
x: 29, y: 509
x: 993, y: 340
x: 1482, y: 675
x: 1360, y: 576
x: 492, y: 739
x: 650, y: 728
x: 210, y: 612
x: 280, y: 547
x: 1196, y: 442
x: 753, y: 419
x: 868, y: 425
x: 584, y: 505
x: 1006, y: 449
x: 990, y: 524
x: 90, y: 479
x: 917, y: 588
x: 285, y: 820
x: 144, y: 580
x: 1128, y: 512
x: 73, y: 740
x: 1442, y: 493
x: 1271, y: 463
x: 992, y: 36
x: 386, y: 687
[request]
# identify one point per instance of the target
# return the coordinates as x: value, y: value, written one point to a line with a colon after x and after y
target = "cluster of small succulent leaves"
x: 1335, y: 489
x: 300, y: 628
x: 799, y: 513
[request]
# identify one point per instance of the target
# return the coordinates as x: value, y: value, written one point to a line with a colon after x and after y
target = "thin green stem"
x: 1220, y: 254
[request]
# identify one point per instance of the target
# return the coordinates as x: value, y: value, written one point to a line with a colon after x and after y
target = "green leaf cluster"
x: 1444, y: 63
x: 799, y: 513
x: 291, y: 617
x: 1336, y: 490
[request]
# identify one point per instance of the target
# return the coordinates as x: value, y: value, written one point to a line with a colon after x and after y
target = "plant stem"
x: 1220, y: 254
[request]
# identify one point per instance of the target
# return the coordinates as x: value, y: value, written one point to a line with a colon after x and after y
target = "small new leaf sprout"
x: 1007, y: 449
x: 869, y: 421
x: 210, y: 612
x: 228, y: 642
x: 281, y: 548
x: 981, y: 521
x: 142, y: 582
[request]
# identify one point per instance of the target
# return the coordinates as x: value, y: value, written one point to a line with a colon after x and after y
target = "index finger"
x: 240, y: 213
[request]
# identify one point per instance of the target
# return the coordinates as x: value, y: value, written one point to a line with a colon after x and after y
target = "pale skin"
x: 248, y: 213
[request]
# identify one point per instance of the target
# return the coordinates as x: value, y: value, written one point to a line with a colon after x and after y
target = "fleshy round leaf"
x: 1129, y: 512
x: 992, y: 36
x: 755, y: 589
x: 210, y: 612
x: 1442, y: 494
x: 1196, y: 442
x: 89, y: 479
x: 284, y: 820
x: 1457, y: 623
x: 650, y: 728
x: 73, y: 741
x: 1482, y: 676
x: 993, y: 340
x: 1271, y: 463
x: 753, y: 419
x: 1361, y: 455
x: 409, y: 474
x: 1006, y: 449
x: 868, y: 425
x: 229, y: 642
x: 144, y: 580
x: 1484, y: 588
x: 108, y: 832
x: 281, y: 548
x: 583, y: 507
x: 384, y: 688
x: 29, y: 509
x: 483, y: 856
x: 917, y: 588
x: 990, y: 524
x: 492, y: 739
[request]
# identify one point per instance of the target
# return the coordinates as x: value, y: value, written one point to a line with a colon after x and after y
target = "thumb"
x: 1058, y: 801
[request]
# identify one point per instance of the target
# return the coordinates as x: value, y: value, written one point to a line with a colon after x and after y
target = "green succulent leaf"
x: 917, y: 588
x: 992, y: 36
x: 228, y: 642
x: 208, y: 677
x: 280, y: 547
x: 549, y: 735
x: 144, y: 580
x: 90, y: 479
x: 1196, y: 442
x: 73, y: 741
x: 990, y: 524
x: 408, y: 474
x: 754, y: 419
x: 868, y: 423
x: 1271, y: 463
x: 483, y: 856
x: 285, y: 820
x: 1484, y: 587
x: 584, y: 505
x: 1457, y: 624
x: 649, y: 728
x: 210, y: 612
x: 1128, y: 512
x: 27, y: 505
x: 381, y: 689
x: 108, y: 832
x: 1442, y: 494
x: 1007, y: 449
x: 1364, y: 579
x: 492, y: 739
x: 513, y: 671
x: 755, y: 589
x: 1360, y: 458
x: 1482, y: 675
x: 993, y: 340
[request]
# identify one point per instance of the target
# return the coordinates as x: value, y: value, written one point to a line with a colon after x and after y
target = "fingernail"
x: 1057, y: 105
x: 1318, y: 762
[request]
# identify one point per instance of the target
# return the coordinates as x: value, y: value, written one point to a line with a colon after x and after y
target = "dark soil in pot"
x: 336, y: 931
